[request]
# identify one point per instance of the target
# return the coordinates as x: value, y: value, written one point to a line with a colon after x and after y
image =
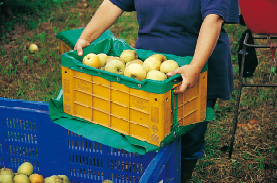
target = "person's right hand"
x: 81, y: 43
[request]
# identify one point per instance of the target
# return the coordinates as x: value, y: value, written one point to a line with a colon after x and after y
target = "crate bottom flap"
x: 109, y: 137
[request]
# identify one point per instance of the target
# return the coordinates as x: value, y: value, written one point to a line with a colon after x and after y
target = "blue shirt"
x: 172, y: 26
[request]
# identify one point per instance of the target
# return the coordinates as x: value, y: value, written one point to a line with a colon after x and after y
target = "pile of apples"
x: 25, y: 174
x: 155, y: 67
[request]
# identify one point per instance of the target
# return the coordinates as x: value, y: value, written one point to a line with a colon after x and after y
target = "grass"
x: 37, y: 77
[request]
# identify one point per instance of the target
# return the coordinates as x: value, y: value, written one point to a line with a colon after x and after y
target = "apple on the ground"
x: 33, y: 47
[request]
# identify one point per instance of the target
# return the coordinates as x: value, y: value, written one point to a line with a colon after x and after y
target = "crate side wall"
x: 55, y: 150
x: 140, y: 114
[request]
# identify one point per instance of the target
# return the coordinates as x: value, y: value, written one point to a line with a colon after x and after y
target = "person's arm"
x: 206, y: 42
x: 104, y: 17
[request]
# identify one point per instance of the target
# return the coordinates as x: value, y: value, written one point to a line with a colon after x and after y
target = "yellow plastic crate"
x: 143, y: 115
x: 64, y: 47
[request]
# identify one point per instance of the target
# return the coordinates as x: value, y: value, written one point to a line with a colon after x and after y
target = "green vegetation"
x: 37, y: 76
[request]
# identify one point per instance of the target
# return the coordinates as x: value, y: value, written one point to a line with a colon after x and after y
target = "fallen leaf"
x: 241, y: 125
x: 253, y: 121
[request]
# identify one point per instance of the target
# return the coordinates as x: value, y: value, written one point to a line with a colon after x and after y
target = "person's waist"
x: 164, y: 43
x: 167, y: 33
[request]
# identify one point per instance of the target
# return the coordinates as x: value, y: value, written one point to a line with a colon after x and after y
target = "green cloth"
x: 114, y: 47
x: 109, y: 137
x: 70, y: 37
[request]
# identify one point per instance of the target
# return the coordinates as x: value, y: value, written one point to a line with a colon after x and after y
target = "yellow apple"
x: 92, y: 60
x: 103, y: 58
x: 64, y: 178
x: 156, y: 75
x: 169, y: 66
x: 53, y: 179
x: 114, y: 58
x: 21, y: 178
x: 33, y: 47
x: 137, y: 61
x: 152, y: 63
x: 5, y: 171
x: 107, y: 181
x: 128, y: 55
x: 115, y: 66
x: 136, y: 71
x: 25, y: 168
x: 6, y: 178
x: 159, y: 57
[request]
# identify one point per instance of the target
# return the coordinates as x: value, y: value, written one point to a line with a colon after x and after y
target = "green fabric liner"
x: 114, y: 47
x: 70, y: 37
x: 109, y: 137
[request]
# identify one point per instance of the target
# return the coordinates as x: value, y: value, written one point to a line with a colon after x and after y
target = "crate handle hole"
x: 65, y: 71
x: 156, y: 99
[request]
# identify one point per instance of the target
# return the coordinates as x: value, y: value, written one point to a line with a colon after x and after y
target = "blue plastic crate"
x: 28, y: 134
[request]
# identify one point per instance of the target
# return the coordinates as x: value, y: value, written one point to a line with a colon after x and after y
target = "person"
x: 183, y: 28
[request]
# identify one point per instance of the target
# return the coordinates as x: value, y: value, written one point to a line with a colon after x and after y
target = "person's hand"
x: 190, y: 74
x: 81, y: 43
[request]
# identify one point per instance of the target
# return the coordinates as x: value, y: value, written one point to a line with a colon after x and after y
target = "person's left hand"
x: 190, y: 74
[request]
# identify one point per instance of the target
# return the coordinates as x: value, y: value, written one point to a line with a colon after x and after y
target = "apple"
x: 136, y: 71
x: 103, y: 58
x: 6, y: 178
x: 159, y: 57
x: 156, y: 75
x: 33, y: 47
x: 152, y: 63
x: 115, y: 66
x: 64, y: 178
x: 92, y: 60
x: 21, y: 178
x: 107, y: 181
x: 114, y: 58
x: 169, y: 66
x: 5, y: 171
x: 36, y: 178
x: 53, y: 179
x: 25, y: 168
x: 137, y: 61
x: 128, y: 55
